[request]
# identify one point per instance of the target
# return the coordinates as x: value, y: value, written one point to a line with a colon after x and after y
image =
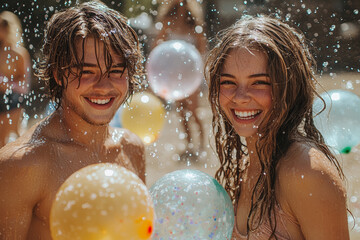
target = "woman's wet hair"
x: 291, y: 68
x: 91, y: 19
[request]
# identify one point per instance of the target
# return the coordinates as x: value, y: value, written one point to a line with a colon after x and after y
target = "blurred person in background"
x: 184, y: 20
x: 15, y: 72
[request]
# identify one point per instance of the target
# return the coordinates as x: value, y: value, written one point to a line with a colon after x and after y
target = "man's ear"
x: 56, y: 78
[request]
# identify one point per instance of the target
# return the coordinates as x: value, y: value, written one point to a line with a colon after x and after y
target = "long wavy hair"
x: 291, y: 70
x: 74, y: 24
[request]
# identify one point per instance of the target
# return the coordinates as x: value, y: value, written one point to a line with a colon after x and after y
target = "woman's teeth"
x: 246, y: 114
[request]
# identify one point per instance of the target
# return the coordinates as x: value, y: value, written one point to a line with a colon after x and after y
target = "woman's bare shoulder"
x: 312, y: 189
x: 305, y: 171
x: 304, y: 158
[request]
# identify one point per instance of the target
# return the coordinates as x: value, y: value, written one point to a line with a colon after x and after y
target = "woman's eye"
x: 262, y: 82
x: 227, y: 82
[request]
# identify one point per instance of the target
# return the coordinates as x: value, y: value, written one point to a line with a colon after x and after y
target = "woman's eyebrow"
x: 226, y: 75
x: 250, y: 76
x: 259, y: 75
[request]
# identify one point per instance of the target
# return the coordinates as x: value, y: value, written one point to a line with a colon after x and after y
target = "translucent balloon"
x: 339, y: 123
x: 190, y: 204
x: 102, y: 201
x: 116, y: 120
x: 144, y: 116
x: 50, y: 108
x: 174, y: 69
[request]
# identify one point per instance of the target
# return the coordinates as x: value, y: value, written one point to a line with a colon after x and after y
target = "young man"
x: 91, y: 62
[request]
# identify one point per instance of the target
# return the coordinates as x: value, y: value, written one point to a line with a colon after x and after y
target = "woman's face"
x: 245, y: 90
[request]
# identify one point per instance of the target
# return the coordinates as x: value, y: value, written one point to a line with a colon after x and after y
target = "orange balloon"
x: 144, y: 116
x: 102, y: 202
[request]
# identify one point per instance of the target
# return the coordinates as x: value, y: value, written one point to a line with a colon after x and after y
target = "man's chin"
x: 98, y: 123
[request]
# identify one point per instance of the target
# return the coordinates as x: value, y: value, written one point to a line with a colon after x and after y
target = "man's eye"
x: 86, y: 72
x: 117, y: 71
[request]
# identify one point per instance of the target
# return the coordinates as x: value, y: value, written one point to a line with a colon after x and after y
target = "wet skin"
x: 34, y: 166
x: 307, y: 186
x: 245, y: 90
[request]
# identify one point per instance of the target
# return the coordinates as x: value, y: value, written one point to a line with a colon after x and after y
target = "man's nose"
x: 103, y: 81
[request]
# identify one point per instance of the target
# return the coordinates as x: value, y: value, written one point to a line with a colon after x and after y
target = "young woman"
x: 284, y: 181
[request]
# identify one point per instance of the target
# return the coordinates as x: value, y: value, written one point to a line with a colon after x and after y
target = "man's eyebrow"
x: 89, y: 65
x: 119, y: 65
x: 96, y: 65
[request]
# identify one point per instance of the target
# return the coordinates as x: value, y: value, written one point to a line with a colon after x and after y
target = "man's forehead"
x: 94, y: 47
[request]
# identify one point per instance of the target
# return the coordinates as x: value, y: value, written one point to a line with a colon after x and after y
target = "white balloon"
x: 174, y: 69
x: 339, y: 123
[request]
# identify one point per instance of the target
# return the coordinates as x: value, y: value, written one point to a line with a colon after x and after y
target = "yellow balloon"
x: 144, y: 116
x: 102, y: 202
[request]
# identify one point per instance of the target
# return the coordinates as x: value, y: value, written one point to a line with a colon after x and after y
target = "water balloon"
x: 190, y: 204
x: 116, y: 120
x: 339, y: 123
x: 144, y: 116
x: 174, y: 69
x: 102, y: 201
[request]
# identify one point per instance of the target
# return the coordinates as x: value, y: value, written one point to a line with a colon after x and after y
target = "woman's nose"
x: 241, y: 95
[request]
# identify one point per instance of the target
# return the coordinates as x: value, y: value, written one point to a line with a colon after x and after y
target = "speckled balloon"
x: 190, y: 204
x: 102, y: 201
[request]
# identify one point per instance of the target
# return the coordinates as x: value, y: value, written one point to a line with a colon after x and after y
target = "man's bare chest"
x: 66, y: 161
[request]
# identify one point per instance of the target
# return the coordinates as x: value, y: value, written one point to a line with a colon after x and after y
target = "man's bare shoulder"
x: 123, y: 137
x: 33, y: 148
x: 132, y: 146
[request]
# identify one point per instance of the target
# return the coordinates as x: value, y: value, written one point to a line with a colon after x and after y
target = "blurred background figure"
x: 184, y: 20
x: 14, y: 76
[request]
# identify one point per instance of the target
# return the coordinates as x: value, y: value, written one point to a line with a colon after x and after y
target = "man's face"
x: 100, y: 93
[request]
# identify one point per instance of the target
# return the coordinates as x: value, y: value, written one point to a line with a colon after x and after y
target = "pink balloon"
x: 174, y: 69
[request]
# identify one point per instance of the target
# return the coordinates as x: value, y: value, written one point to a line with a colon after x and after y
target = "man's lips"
x: 100, y: 102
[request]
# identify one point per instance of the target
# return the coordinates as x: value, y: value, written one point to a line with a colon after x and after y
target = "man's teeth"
x: 246, y: 114
x: 99, y: 101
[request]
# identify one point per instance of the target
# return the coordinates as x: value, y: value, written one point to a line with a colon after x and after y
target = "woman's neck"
x: 254, y: 167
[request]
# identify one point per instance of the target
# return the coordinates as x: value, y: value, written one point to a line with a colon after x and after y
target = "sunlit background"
x: 332, y: 28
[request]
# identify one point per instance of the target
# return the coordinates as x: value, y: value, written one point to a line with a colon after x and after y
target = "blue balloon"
x: 50, y: 108
x: 190, y: 204
x: 116, y: 120
x: 339, y: 123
